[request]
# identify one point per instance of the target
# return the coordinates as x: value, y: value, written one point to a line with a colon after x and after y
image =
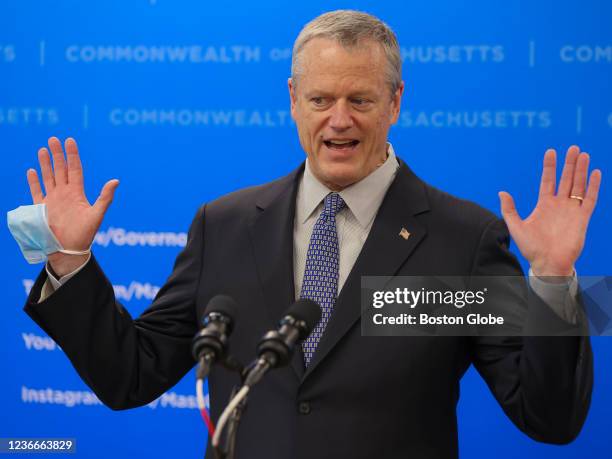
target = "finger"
x: 592, y: 192
x: 45, y: 168
x: 75, y: 169
x: 106, y: 196
x: 567, y: 176
x: 35, y: 189
x: 580, y: 176
x: 59, y: 163
x: 509, y: 212
x: 549, y: 173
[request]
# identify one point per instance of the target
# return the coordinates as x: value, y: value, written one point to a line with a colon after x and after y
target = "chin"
x: 340, y: 177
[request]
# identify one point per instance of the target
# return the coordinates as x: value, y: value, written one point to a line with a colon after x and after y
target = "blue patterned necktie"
x: 320, y: 282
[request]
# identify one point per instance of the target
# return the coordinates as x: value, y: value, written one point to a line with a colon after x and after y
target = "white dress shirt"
x: 353, y: 223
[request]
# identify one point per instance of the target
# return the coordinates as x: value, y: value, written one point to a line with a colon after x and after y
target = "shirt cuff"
x: 52, y: 283
x: 47, y: 290
x: 560, y: 297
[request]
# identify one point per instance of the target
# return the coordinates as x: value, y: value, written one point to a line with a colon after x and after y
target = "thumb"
x: 106, y: 196
x: 508, y: 210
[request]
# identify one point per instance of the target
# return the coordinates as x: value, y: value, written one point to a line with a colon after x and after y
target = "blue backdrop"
x: 184, y: 101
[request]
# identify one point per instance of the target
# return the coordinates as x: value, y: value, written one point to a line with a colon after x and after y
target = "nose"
x: 340, y: 116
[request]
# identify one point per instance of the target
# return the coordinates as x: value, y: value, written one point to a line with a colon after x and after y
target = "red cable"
x: 209, y: 425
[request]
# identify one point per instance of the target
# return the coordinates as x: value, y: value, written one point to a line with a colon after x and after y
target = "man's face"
x: 343, y: 109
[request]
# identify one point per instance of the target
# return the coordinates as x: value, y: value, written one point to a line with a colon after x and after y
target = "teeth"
x: 340, y: 142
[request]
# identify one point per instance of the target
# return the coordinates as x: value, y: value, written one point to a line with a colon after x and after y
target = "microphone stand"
x: 249, y: 378
x: 232, y: 429
x: 234, y: 421
x: 232, y: 364
x: 229, y: 451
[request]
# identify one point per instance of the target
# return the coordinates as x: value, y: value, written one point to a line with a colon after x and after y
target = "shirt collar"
x: 362, y: 198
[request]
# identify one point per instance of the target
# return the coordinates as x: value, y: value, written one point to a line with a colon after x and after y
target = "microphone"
x: 277, y: 346
x: 210, y: 344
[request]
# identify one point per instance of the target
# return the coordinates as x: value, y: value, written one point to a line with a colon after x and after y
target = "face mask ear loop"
x: 76, y: 252
x: 66, y: 251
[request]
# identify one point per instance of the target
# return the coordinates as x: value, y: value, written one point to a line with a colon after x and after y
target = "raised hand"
x: 553, y: 236
x: 73, y: 220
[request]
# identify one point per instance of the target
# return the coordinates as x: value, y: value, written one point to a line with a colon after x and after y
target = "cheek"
x: 314, y: 124
x: 382, y: 124
x: 308, y: 130
x: 371, y: 127
x: 301, y: 121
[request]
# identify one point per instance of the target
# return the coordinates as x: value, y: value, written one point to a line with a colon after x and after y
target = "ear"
x: 292, y: 96
x: 396, y: 103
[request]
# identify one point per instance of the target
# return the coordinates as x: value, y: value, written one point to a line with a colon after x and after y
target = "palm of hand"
x: 553, y: 235
x: 73, y: 220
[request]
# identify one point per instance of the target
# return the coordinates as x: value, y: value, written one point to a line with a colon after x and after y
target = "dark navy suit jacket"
x: 361, y: 397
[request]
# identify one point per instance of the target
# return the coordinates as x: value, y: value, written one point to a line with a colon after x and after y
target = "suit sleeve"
x: 543, y: 383
x: 127, y: 362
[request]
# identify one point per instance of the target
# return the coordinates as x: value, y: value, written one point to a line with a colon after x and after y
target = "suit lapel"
x: 383, y: 253
x: 272, y: 239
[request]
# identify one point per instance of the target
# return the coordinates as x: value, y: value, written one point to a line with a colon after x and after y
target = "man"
x: 345, y: 395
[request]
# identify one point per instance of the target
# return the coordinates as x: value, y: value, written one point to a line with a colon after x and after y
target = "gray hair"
x: 351, y: 29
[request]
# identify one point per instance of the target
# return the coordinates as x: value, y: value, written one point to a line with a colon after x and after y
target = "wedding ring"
x: 579, y: 198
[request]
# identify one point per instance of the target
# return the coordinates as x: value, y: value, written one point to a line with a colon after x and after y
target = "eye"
x: 318, y: 101
x: 360, y: 101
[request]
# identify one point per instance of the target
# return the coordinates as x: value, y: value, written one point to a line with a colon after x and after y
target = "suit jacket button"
x: 304, y: 408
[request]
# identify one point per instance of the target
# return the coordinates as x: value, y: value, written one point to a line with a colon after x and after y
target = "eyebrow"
x: 317, y: 93
x: 322, y: 93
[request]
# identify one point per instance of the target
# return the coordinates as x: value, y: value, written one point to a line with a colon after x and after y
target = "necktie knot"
x: 333, y: 204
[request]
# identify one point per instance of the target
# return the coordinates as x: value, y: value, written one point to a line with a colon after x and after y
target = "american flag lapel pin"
x: 404, y: 233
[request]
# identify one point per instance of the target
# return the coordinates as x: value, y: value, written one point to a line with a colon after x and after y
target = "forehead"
x: 328, y: 65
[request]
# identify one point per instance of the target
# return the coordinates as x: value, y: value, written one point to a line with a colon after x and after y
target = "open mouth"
x: 341, y: 144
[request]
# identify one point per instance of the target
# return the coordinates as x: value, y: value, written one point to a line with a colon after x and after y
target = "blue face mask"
x: 30, y: 228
